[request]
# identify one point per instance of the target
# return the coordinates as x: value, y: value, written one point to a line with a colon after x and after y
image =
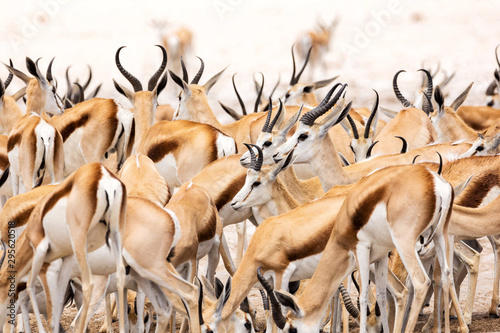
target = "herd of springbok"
x: 101, y: 199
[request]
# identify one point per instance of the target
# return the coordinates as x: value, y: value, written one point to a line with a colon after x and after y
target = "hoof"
x: 494, y: 315
x: 453, y: 317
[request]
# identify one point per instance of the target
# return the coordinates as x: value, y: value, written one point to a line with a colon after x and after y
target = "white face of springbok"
x: 308, y: 133
x: 360, y: 145
x: 258, y: 187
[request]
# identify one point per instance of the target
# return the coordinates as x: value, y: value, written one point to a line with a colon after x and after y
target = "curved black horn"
x: 185, y: 75
x: 154, y: 79
x: 297, y: 78
x: 257, y: 101
x: 243, y: 109
x: 426, y: 105
x: 372, y: 116
x: 136, y: 84
x: 86, y: 85
x: 323, y: 107
x: 69, y: 93
x: 252, y: 155
x: 496, y: 55
x: 273, y: 122
x: 292, y: 80
x: 200, y: 72
x: 400, y: 96
x: 353, y: 311
x: 10, y: 77
x: 260, y: 158
x: 490, y: 91
x: 265, y: 128
x: 49, y: 71
x: 369, y: 152
x: 353, y: 126
x: 440, y: 169
x: 278, y: 317
x: 200, y: 302
x: 404, y: 149
x: 415, y: 159
x: 80, y: 97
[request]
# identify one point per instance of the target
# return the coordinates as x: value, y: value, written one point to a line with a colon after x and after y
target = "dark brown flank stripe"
x: 158, y: 151
x: 477, y: 190
x: 312, y: 248
x: 230, y: 191
x: 67, y: 130
x: 14, y: 140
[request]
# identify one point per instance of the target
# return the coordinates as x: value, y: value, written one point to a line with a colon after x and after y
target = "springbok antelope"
x: 34, y: 146
x: 9, y: 110
x: 360, y: 146
x: 318, y: 41
x: 144, y: 102
x: 419, y: 97
x: 299, y: 93
x: 40, y: 90
x: 104, y: 196
x: 353, y: 237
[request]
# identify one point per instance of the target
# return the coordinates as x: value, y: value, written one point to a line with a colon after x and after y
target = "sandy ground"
x: 374, y: 40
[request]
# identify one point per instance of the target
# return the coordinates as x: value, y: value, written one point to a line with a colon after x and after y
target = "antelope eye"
x: 255, y: 184
x: 303, y: 136
x: 248, y: 326
x: 293, y: 330
x: 480, y: 148
x: 490, y: 103
x: 287, y: 95
x: 267, y: 144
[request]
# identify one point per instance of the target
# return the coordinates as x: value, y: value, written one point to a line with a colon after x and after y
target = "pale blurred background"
x: 374, y: 39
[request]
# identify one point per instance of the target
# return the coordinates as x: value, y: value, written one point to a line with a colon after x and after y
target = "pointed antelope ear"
x: 289, y: 301
x: 213, y: 80
x: 181, y: 83
x: 124, y: 91
x: 323, y: 83
x: 35, y: 71
x: 332, y: 119
x: 280, y: 120
x: 290, y: 122
x: 461, y: 98
x: 344, y: 160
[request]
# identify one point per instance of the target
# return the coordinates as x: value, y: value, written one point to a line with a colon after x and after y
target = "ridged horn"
x: 243, y: 109
x: 353, y: 311
x: 136, y: 84
x: 323, y: 107
x: 10, y: 77
x: 278, y: 317
x: 257, y: 101
x: 185, y: 75
x: 154, y: 79
x: 273, y: 122
x: 400, y: 96
x: 426, y: 105
x: 49, y: 71
x: 260, y: 158
x: 200, y: 72
x: 372, y: 116
x: 268, y: 118
x: 353, y: 126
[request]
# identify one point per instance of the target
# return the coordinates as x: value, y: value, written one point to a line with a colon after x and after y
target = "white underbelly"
x: 305, y: 267
x: 168, y: 170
